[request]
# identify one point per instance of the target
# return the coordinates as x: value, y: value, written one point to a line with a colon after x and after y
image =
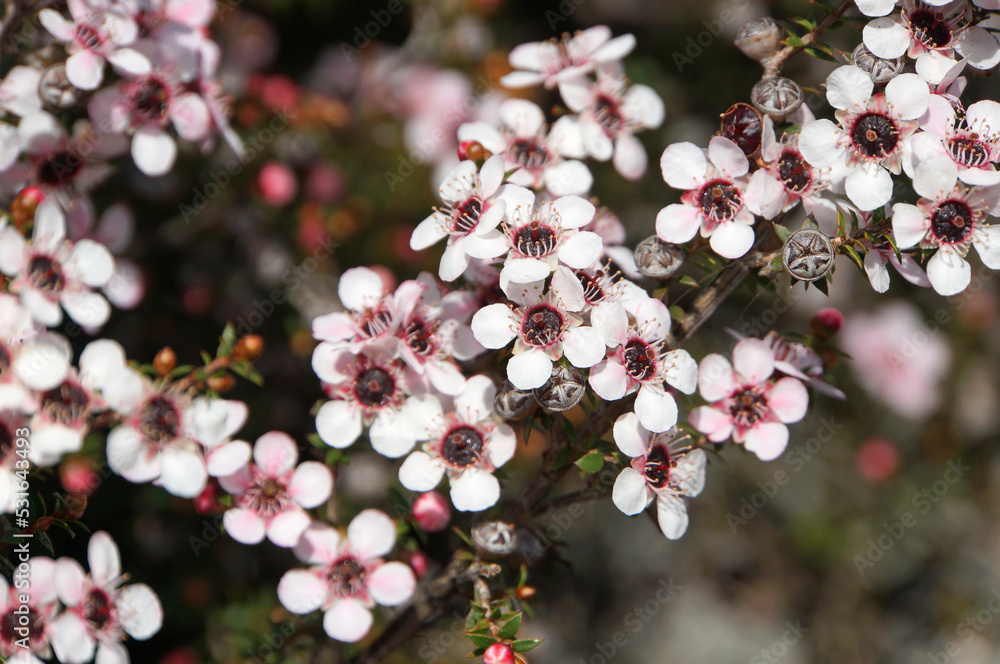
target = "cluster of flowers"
x: 76, y: 615
x: 887, y: 123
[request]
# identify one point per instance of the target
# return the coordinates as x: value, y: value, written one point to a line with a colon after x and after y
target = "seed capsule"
x: 495, y: 537
x: 55, y: 89
x: 881, y: 70
x: 778, y: 97
x: 743, y: 125
x: 563, y: 390
x: 656, y: 259
x: 808, y: 254
x: 759, y: 39
x: 511, y: 403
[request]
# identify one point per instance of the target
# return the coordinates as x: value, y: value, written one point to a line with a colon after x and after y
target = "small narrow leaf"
x: 591, y: 462
x: 509, y: 630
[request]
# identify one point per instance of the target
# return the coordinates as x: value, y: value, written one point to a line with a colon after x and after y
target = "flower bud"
x: 743, y: 125
x: 808, y: 254
x: 221, y: 383
x: 499, y: 653
x: 420, y: 563
x: 759, y: 39
x: 249, y: 347
x: 165, y: 361
x: 511, y: 403
x: 22, y: 208
x: 563, y: 390
x: 880, y: 70
x: 526, y: 592
x: 877, y: 460
x: 432, y: 511
x: 207, y: 502
x: 778, y: 97
x: 494, y: 537
x: 277, y: 183
x: 656, y: 259
x: 826, y: 322
x: 55, y: 89
x: 473, y: 150
x: 78, y: 476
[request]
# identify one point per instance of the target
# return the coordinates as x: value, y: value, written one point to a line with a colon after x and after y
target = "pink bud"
x: 419, y: 563
x: 78, y: 476
x: 277, y: 183
x: 877, y: 460
x: 325, y: 183
x: 207, y: 501
x: 827, y: 322
x: 432, y: 511
x: 498, y: 653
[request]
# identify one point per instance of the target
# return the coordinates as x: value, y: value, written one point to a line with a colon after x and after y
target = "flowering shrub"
x: 539, y: 356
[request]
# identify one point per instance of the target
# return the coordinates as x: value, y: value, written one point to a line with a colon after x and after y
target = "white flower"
x: 714, y: 200
x: 466, y: 444
x: 370, y: 319
x: 639, y: 362
x: 544, y: 330
x: 348, y: 575
x: 609, y: 116
x: 469, y: 218
x: 972, y: 142
x: 950, y: 218
x: 525, y: 146
x: 543, y: 236
x: 873, y: 135
x: 51, y: 270
x: 99, y: 610
x: 554, y: 62
x: 661, y: 468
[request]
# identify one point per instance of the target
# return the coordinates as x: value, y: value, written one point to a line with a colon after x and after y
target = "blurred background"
x: 873, y: 539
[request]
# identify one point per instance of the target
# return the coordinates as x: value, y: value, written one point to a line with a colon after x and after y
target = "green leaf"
x: 227, y: 342
x: 892, y: 243
x: 677, y: 313
x: 481, y: 641
x: 524, y: 645
x: 688, y: 280
x: 509, y: 630
x: 776, y: 264
x: 810, y: 223
x: 562, y: 458
x: 782, y: 232
x: 854, y: 256
x: 591, y: 462
x: 823, y: 286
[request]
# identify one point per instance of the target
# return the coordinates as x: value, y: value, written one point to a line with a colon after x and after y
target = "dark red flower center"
x: 11, y: 620
x: 4, y: 360
x: 159, y: 420
x: 88, y: 36
x: 720, y: 200
x: 542, y: 326
x: 930, y: 29
x: 969, y: 151
x: 748, y: 407
x: 150, y: 98
x: 794, y: 172
x: 640, y: 359
x: 66, y: 404
x: 462, y: 446
x: 267, y: 497
x: 346, y: 578
x: 59, y: 168
x: 466, y: 216
x: 97, y: 609
x: 742, y: 125
x: 657, y: 468
x: 592, y: 291
x: 535, y: 240
x: 529, y: 153
x: 419, y: 337
x: 374, y: 387
x: 951, y: 222
x: 608, y: 114
x: 46, y: 274
x: 875, y: 135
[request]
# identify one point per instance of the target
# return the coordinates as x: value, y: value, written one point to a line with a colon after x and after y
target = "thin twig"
x: 773, y: 65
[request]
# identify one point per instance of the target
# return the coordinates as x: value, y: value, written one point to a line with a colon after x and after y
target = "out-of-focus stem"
x: 773, y: 65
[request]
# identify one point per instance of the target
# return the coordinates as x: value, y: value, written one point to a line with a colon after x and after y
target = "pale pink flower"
x: 744, y: 404
x: 28, y: 644
x: 640, y: 363
x: 467, y: 445
x: 662, y: 468
x: 99, y: 610
x: 348, y: 576
x: 272, y: 493
x: 557, y: 61
x: 99, y: 32
x: 972, y: 141
x: 715, y: 183
x: 543, y: 330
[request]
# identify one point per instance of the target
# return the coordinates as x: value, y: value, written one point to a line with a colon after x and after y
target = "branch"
x: 773, y: 65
